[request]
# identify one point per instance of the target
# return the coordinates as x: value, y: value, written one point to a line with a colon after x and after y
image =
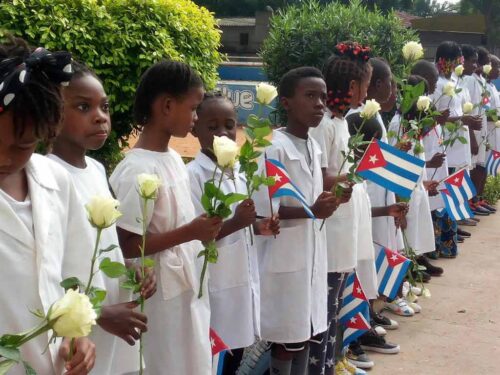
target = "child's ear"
x: 193, y: 132
x: 353, y: 85
x: 166, y: 104
x: 285, y: 103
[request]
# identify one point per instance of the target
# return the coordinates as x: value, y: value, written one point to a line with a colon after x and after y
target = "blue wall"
x: 242, y: 72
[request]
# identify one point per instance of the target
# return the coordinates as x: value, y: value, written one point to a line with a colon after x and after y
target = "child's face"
x: 307, y: 105
x: 181, y: 112
x: 391, y: 102
x: 359, y: 90
x: 15, y: 150
x: 470, y: 65
x: 87, y: 122
x: 383, y: 88
x: 217, y: 117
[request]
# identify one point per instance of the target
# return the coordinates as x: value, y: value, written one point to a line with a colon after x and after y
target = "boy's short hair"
x: 289, y: 81
x: 425, y: 69
x: 371, y: 128
x: 213, y: 95
x: 380, y: 69
x: 483, y: 56
x: 448, y: 51
x: 468, y: 51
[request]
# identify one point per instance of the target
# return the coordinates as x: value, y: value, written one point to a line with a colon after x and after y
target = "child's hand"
x: 245, y: 213
x: 474, y: 122
x: 404, y: 146
x: 148, y: 285
x: 436, y: 161
x: 205, y: 228
x: 83, y: 358
x: 400, y: 222
x: 397, y: 210
x: 346, y: 193
x: 431, y: 187
x: 325, y: 205
x: 474, y: 146
x: 268, y: 227
x: 123, y: 321
x: 443, y: 117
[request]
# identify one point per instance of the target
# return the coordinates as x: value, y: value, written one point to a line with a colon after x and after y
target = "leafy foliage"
x: 119, y: 39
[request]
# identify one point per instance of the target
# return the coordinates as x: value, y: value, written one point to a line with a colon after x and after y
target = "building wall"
x: 431, y: 39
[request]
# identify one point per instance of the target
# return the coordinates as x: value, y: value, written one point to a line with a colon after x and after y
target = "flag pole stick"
x: 270, y: 199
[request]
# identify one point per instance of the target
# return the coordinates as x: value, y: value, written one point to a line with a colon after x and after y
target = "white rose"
x: 266, y: 93
x: 497, y: 124
x: 226, y: 151
x: 459, y: 70
x: 148, y: 185
x: 467, y: 107
x: 487, y: 69
x: 426, y: 293
x: 102, y: 211
x: 413, y: 51
x: 423, y: 103
x: 449, y: 89
x: 72, y: 316
x: 370, y: 109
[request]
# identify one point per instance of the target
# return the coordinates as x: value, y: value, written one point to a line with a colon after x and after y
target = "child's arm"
x: 244, y: 215
x: 436, y: 161
x: 324, y: 207
x: 83, y: 358
x: 121, y: 320
x: 396, y: 210
x: 267, y: 226
x: 202, y: 228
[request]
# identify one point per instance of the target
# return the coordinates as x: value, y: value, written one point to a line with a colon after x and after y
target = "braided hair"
x: 210, y: 96
x: 37, y: 100
x: 348, y: 63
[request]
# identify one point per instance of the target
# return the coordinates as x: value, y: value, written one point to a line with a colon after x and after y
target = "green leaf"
x: 10, y: 353
x: 108, y: 249
x: 253, y: 120
x: 246, y: 149
x: 6, y: 365
x: 112, y: 269
x: 233, y: 198
x: 213, y: 191
x: 462, y: 140
x: 71, y: 283
x: 262, y: 132
x: 263, y: 143
x: 250, y: 133
x: 206, y: 202
x: 28, y: 369
x: 148, y: 262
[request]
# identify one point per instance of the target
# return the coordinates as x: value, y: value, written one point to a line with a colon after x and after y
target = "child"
x: 494, y: 140
x: 234, y: 280
x: 44, y: 233
x: 293, y: 267
x: 347, y: 77
x: 165, y: 106
x: 87, y: 124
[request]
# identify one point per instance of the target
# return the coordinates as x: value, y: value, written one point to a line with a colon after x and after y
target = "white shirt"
x: 177, y: 341
x: 234, y: 280
x: 494, y: 135
x: 476, y: 85
x: 89, y: 182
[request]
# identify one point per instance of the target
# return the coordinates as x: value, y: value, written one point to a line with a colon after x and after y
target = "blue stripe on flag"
x: 284, y: 192
x: 351, y: 334
x: 400, y: 154
x: 402, y: 172
x: 388, y: 184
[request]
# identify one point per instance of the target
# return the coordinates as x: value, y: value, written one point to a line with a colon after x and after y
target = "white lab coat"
x: 293, y: 267
x: 420, y: 231
x: 177, y: 341
x: 60, y: 248
x: 494, y: 135
x: 234, y: 280
x: 332, y: 135
x: 120, y: 357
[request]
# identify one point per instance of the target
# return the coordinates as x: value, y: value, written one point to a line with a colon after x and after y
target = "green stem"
x: 202, y: 277
x: 143, y: 274
x: 42, y: 328
x: 94, y: 259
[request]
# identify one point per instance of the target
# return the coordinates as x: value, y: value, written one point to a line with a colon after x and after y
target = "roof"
x: 406, y: 18
x: 237, y: 22
x: 454, y: 23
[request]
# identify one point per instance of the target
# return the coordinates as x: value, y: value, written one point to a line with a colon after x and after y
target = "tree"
x: 491, y: 11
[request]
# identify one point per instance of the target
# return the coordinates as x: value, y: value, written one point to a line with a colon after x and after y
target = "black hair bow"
x: 16, y: 71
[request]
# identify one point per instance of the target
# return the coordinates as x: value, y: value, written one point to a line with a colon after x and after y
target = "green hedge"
x: 119, y: 39
x: 305, y: 34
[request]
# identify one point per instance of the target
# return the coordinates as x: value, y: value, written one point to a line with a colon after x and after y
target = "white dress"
x: 293, y: 267
x: 120, y: 357
x: 494, y: 135
x: 234, y: 280
x: 54, y: 245
x: 177, y: 341
x: 420, y: 231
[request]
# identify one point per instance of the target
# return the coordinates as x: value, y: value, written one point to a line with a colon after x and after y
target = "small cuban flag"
x: 460, y: 186
x: 283, y: 186
x: 390, y: 168
x: 219, y: 352
x: 354, y: 299
x: 456, y: 211
x: 391, y: 270
x: 493, y: 163
x: 356, y: 326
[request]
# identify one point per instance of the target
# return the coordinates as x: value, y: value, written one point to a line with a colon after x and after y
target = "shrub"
x: 119, y: 39
x: 305, y: 34
x: 492, y: 189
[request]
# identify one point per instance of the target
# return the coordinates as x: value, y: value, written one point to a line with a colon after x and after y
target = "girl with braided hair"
x: 44, y: 233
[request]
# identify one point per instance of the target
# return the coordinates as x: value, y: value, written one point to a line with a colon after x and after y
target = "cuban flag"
x: 283, y: 186
x: 493, y: 163
x: 456, y: 211
x: 390, y: 168
x: 219, y: 351
x: 354, y: 299
x: 460, y: 186
x: 356, y: 326
x: 391, y: 270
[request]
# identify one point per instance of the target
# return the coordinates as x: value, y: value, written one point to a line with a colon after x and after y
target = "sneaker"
x: 460, y: 239
x: 425, y: 276
x: 357, y: 356
x: 399, y: 307
x: 480, y: 211
x: 360, y: 372
x: 463, y: 233
x: 430, y: 268
x: 415, y: 290
x: 415, y: 307
x: 380, y: 330
x: 372, y: 342
x: 340, y: 369
x: 384, y: 322
x: 349, y: 366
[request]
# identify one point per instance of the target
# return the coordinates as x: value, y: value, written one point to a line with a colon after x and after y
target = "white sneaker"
x: 415, y: 290
x: 415, y: 307
x: 399, y: 307
x: 380, y: 331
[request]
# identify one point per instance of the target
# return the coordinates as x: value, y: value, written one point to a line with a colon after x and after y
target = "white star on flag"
x: 277, y: 178
x: 456, y: 180
x: 394, y: 257
x: 373, y: 159
x: 354, y: 320
x: 212, y: 342
x: 313, y: 360
x: 358, y: 290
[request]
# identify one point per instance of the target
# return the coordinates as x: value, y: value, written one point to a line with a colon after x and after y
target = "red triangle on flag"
x: 456, y: 178
x: 393, y: 258
x: 216, y: 342
x: 358, y: 322
x: 373, y: 158
x: 357, y: 291
x: 280, y: 178
x: 495, y: 154
x: 445, y: 191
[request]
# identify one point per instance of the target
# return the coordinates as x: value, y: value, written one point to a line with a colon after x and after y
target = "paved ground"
x: 458, y: 331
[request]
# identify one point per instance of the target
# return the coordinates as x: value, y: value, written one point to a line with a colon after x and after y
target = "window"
x: 243, y: 39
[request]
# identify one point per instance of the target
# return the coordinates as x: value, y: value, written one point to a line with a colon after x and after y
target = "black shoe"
x: 480, y: 211
x: 463, y: 233
x: 370, y: 341
x: 383, y: 321
x: 430, y: 268
x: 425, y: 276
x: 460, y: 239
